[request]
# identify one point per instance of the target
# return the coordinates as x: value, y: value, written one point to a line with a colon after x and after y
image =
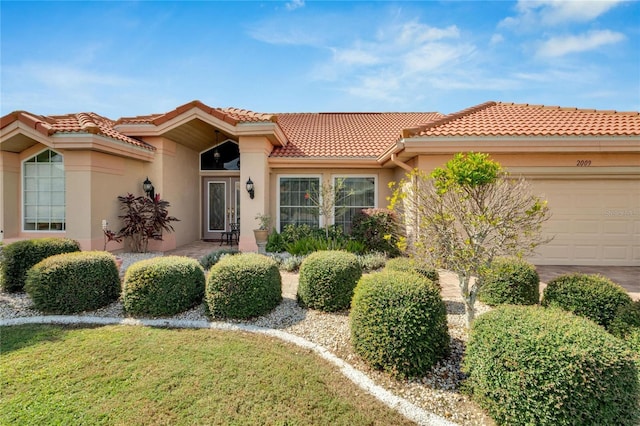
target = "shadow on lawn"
x: 16, y: 337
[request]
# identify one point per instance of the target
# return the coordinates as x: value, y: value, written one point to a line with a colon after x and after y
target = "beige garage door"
x: 595, y: 222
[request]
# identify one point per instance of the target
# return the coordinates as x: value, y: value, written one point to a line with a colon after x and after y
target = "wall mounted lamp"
x: 250, y: 189
x: 148, y: 188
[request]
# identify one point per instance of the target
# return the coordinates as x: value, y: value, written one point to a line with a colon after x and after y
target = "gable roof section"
x: 494, y: 119
x: 232, y: 116
x: 84, y: 122
x: 345, y: 135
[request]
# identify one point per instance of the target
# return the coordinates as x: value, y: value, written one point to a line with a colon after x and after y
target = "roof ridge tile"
x: 407, y: 133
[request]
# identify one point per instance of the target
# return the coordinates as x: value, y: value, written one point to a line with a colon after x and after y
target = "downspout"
x: 414, y: 184
x: 394, y: 160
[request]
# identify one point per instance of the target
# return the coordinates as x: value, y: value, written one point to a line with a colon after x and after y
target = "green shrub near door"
x: 73, y: 282
x: 243, y: 286
x: 163, y: 286
x: 398, y: 323
x: 327, y: 280
x: 19, y: 256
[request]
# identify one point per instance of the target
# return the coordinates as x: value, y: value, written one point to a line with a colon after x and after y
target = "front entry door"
x: 221, y: 206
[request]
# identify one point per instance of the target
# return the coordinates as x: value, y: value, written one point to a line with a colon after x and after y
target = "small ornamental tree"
x: 461, y: 216
x: 327, y: 200
x: 144, y: 219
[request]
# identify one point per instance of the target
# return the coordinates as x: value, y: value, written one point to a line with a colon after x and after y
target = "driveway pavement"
x: 627, y: 276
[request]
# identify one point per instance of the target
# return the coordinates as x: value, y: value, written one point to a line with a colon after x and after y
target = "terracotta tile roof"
x: 84, y: 122
x: 232, y: 116
x: 508, y: 119
x: 344, y: 134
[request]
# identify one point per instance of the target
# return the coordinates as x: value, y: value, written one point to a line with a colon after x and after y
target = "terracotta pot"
x: 262, y: 235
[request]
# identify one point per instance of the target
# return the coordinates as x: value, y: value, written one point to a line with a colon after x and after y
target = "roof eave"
x: 520, y: 144
x: 323, y: 162
x: 100, y: 143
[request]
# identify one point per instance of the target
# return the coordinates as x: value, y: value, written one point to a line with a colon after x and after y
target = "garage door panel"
x: 593, y: 222
x: 615, y: 252
x: 589, y: 228
x: 586, y: 252
x: 617, y: 227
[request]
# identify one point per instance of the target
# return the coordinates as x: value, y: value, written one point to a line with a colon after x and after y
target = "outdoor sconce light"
x: 148, y: 188
x: 250, y: 188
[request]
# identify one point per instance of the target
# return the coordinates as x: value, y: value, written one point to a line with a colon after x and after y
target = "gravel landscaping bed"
x: 437, y: 392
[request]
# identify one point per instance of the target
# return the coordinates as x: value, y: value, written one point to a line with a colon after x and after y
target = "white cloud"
x: 497, y: 38
x: 534, y: 13
x: 416, y: 33
x: 294, y: 4
x: 564, y: 45
x: 355, y: 56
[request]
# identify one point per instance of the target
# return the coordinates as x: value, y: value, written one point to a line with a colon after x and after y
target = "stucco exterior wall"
x: 254, y: 152
x: 9, y: 194
x: 93, y: 183
x: 175, y: 176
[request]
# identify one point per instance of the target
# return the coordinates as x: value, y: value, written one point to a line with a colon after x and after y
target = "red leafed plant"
x: 144, y: 219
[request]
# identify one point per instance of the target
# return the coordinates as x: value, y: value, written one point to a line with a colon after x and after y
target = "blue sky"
x: 132, y: 58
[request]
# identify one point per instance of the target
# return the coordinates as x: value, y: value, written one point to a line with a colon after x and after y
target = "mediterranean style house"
x: 61, y: 175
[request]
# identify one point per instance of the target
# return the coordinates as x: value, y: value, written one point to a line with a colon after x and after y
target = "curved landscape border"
x: 404, y: 407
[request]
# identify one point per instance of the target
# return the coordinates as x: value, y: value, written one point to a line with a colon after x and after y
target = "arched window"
x: 43, y: 193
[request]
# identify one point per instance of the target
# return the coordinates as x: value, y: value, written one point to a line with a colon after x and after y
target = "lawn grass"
x: 138, y: 375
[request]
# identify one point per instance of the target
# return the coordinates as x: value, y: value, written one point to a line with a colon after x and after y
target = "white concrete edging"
x: 404, y: 407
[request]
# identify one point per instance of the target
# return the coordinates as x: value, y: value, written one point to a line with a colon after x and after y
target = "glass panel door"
x: 217, y: 206
x: 220, y: 207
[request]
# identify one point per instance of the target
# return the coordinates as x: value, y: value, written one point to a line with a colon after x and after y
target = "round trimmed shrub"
x: 327, y: 280
x: 404, y: 264
x: 73, y: 282
x: 398, y: 323
x: 627, y: 319
x: 163, y: 286
x: 19, y: 257
x: 243, y: 286
x: 510, y: 281
x: 593, y: 296
x: 533, y: 366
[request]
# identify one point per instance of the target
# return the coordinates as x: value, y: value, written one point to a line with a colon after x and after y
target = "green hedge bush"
x: 243, y: 286
x: 327, y: 280
x: 593, y: 296
x: 510, y: 281
x: 404, y: 264
x: 18, y: 257
x: 73, y: 282
x: 377, y: 229
x: 533, y: 366
x: 210, y: 259
x: 398, y: 323
x: 627, y: 319
x: 163, y: 286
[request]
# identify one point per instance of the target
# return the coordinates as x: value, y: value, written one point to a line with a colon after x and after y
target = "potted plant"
x: 262, y: 233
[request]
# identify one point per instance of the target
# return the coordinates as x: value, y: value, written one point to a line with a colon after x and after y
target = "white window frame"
x: 23, y: 188
x: 317, y: 176
x: 347, y: 176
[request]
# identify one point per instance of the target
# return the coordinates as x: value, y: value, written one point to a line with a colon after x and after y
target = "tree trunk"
x: 468, y: 296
